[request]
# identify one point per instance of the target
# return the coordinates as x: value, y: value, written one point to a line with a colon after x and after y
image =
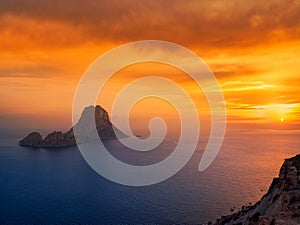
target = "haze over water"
x: 57, y: 186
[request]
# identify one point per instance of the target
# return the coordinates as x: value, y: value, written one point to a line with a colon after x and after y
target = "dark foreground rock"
x: 89, y: 116
x: 33, y: 139
x: 279, y: 206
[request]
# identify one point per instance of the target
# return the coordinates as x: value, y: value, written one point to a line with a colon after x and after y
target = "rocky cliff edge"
x: 279, y: 206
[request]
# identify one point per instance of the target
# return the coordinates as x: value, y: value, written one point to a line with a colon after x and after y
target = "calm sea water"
x: 39, y: 186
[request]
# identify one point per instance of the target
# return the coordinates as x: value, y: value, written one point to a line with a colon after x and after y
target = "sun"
x: 281, y: 119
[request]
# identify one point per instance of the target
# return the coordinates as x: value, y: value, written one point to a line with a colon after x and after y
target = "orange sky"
x: 253, y: 49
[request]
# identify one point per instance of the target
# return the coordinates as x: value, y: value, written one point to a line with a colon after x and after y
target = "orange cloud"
x: 191, y: 23
x: 252, y: 47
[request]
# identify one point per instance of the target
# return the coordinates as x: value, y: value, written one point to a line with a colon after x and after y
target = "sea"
x: 57, y: 186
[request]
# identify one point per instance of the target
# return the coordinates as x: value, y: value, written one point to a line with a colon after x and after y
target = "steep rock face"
x: 33, y: 139
x: 90, y: 117
x: 84, y: 126
x: 59, y: 139
x: 279, y: 206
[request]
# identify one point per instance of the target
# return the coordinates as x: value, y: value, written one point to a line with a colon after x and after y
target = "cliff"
x: 58, y: 139
x: 279, y: 206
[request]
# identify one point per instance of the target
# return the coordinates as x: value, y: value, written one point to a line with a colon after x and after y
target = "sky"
x: 252, y: 47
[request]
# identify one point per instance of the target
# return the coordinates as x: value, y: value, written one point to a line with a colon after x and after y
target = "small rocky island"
x: 279, y: 206
x: 58, y: 139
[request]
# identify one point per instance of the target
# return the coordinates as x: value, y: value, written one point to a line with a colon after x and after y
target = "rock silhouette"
x: 84, y: 128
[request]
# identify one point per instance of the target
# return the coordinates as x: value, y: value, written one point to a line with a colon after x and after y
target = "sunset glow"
x: 255, y: 54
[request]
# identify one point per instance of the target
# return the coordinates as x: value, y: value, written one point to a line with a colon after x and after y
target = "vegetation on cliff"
x: 279, y: 206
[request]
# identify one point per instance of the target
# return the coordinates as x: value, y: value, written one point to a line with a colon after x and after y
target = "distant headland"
x: 58, y: 139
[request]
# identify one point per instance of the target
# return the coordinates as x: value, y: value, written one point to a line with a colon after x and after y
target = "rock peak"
x: 89, y: 116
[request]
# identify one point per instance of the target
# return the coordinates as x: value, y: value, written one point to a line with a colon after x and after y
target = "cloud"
x: 202, y: 23
x: 229, y: 70
x: 29, y: 71
x: 270, y: 111
x: 237, y: 86
x: 251, y: 46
